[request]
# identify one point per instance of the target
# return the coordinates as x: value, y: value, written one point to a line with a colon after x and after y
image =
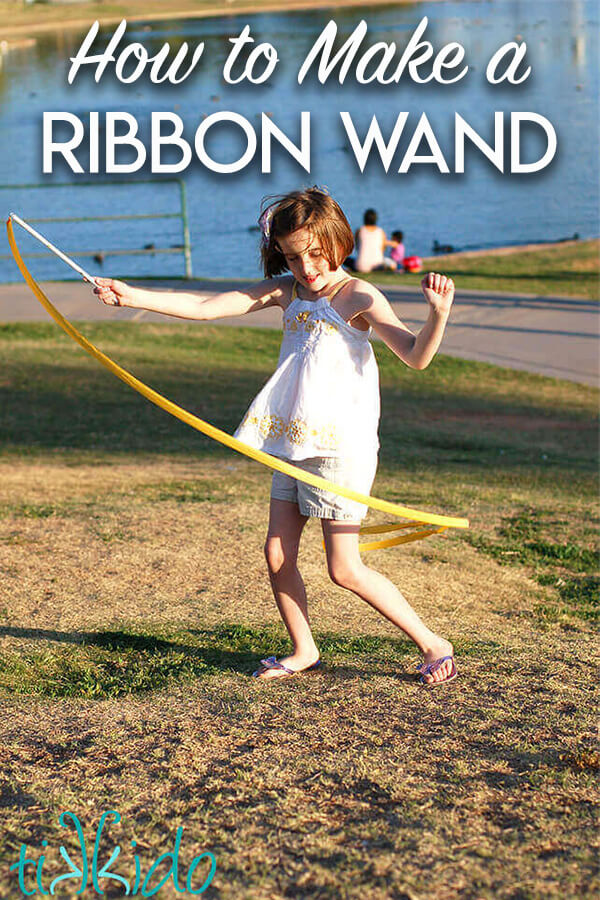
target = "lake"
x: 478, y: 209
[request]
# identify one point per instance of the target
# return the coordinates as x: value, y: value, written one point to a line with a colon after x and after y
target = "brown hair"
x: 313, y: 209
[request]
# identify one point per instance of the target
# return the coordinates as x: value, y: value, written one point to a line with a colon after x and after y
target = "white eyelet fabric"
x: 323, y: 398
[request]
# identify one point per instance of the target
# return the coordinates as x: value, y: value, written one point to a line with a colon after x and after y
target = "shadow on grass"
x: 13, y: 795
x: 452, y: 414
x: 105, y: 664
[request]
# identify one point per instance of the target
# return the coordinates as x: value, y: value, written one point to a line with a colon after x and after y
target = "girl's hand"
x: 439, y: 292
x: 113, y: 293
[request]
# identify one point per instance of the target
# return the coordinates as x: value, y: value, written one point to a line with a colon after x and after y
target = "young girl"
x: 320, y: 409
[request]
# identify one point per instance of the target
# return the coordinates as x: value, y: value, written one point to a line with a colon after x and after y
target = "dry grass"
x: 135, y: 603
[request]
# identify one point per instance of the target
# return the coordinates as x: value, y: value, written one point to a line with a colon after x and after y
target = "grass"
x: 559, y: 270
x: 135, y: 603
x: 126, y: 660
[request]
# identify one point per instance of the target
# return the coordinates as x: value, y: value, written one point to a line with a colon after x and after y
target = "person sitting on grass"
x: 371, y: 242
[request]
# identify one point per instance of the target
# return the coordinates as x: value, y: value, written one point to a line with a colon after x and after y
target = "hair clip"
x: 264, y: 224
x: 321, y: 189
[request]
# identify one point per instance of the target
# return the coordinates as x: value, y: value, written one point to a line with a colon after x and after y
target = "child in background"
x: 320, y: 409
x: 398, y: 252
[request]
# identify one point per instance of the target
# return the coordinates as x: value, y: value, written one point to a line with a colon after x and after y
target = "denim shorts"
x: 356, y: 473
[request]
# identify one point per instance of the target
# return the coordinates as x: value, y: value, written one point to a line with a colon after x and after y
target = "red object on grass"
x: 413, y: 263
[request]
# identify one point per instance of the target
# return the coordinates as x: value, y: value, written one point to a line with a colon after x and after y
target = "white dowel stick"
x: 54, y: 249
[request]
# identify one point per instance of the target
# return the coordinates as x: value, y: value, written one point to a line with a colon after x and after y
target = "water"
x: 481, y: 208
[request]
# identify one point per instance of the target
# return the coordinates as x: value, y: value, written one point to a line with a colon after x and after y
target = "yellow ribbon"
x: 416, y: 517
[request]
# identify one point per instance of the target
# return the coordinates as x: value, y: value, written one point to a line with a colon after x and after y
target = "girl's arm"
x: 416, y: 350
x: 192, y: 305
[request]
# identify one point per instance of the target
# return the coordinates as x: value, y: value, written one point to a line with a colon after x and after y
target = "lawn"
x: 135, y: 602
x: 559, y: 270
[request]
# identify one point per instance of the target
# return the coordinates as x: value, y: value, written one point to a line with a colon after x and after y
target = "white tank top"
x: 370, y: 248
x: 323, y: 398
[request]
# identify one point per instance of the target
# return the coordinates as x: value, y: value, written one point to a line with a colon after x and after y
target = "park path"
x: 552, y: 336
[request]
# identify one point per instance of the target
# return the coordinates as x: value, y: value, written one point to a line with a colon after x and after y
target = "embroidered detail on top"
x: 303, y: 319
x: 297, y: 430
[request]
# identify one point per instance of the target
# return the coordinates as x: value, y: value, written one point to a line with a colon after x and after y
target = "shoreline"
x: 28, y: 30
x: 402, y: 285
x: 508, y: 249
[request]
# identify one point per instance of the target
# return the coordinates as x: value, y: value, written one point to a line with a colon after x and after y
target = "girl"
x: 320, y: 409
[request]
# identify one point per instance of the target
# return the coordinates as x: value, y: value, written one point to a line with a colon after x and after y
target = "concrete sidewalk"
x: 552, y: 336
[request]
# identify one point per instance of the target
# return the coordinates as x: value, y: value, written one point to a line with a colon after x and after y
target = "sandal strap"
x: 430, y: 668
x: 272, y: 663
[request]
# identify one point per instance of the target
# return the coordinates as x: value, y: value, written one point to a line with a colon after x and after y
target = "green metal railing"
x: 148, y: 250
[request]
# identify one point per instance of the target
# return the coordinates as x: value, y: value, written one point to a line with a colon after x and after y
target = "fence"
x: 101, y: 253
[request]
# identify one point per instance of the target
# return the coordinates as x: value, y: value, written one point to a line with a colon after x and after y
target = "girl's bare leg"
x: 347, y: 569
x: 281, y: 550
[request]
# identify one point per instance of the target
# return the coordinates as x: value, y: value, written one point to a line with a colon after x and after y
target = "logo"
x: 136, y: 885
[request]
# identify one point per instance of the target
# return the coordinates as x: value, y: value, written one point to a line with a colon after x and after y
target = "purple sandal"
x: 430, y: 668
x: 272, y: 663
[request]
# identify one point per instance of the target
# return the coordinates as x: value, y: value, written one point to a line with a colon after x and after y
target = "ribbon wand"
x: 59, y: 253
x: 416, y: 516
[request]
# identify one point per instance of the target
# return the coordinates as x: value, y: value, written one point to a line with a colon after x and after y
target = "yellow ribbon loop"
x: 417, y: 517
